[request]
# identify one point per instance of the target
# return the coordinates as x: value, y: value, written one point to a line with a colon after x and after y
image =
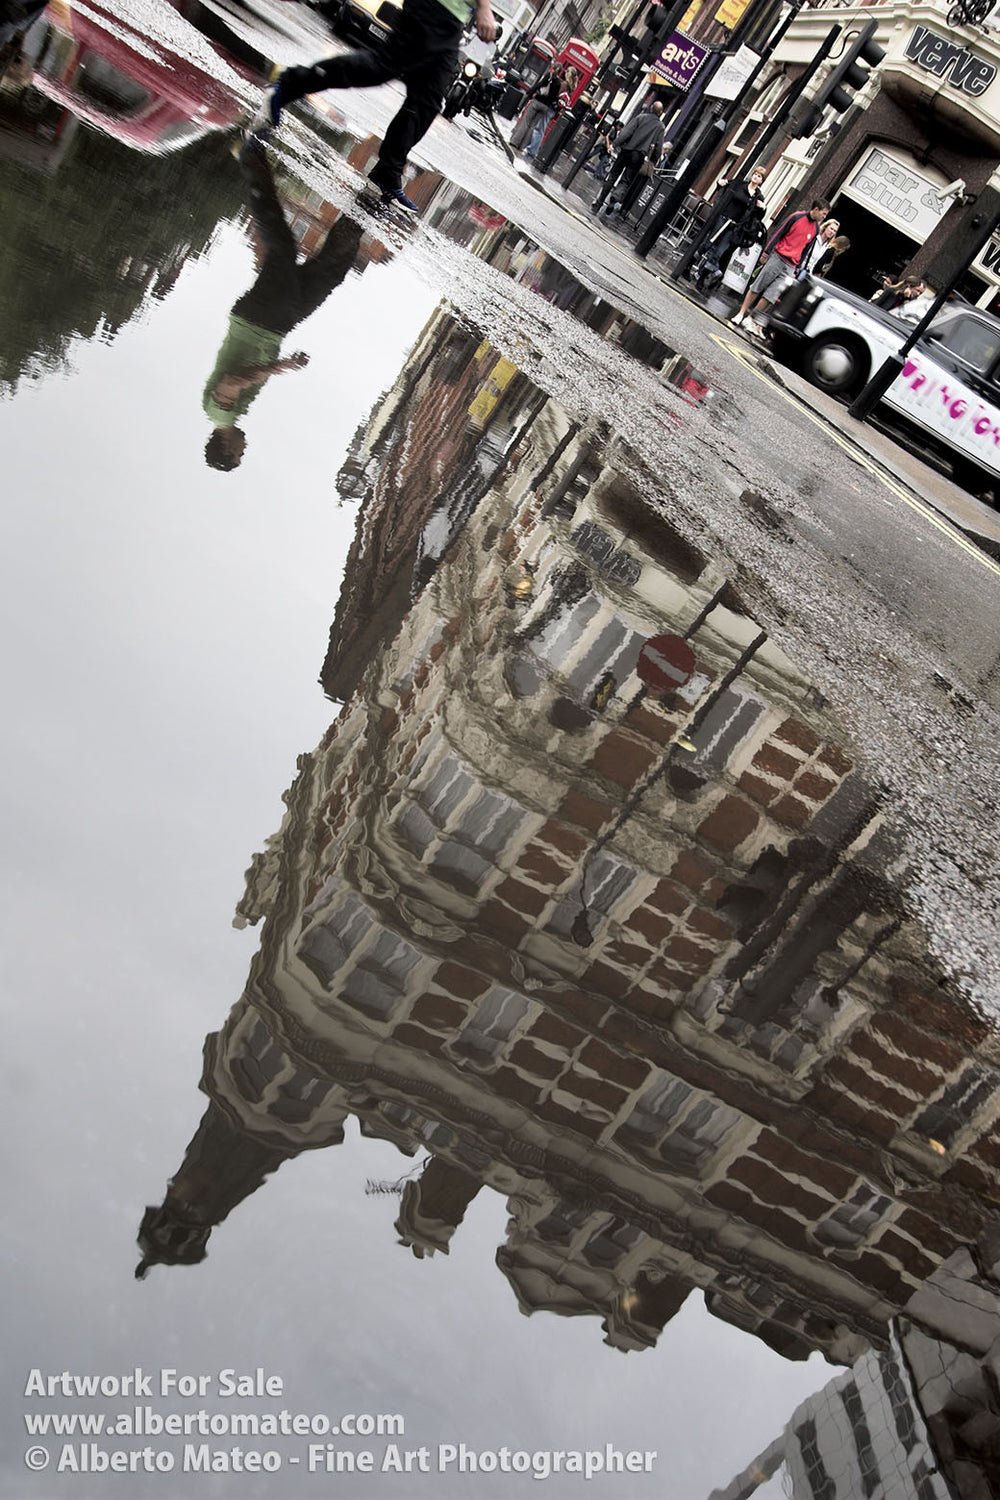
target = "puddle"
x: 594, y: 946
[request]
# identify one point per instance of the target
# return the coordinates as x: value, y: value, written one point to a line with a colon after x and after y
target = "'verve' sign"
x: 969, y: 73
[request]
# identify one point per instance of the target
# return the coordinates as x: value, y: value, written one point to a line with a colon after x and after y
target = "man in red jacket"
x: 782, y: 253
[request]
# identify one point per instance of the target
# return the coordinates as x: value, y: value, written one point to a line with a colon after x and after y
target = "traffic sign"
x: 665, y: 663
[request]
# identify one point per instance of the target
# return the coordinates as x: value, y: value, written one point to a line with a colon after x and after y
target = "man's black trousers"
x: 422, y: 51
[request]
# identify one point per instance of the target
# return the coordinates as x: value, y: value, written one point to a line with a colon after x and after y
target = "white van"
x: 949, y: 387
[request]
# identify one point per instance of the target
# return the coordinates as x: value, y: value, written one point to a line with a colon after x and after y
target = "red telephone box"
x: 576, y: 54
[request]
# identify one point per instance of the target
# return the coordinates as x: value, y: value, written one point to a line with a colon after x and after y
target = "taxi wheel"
x: 836, y: 363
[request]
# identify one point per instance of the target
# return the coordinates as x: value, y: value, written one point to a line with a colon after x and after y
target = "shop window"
x: 682, y: 1126
x: 942, y: 1120
x: 853, y: 1220
x: 493, y: 1023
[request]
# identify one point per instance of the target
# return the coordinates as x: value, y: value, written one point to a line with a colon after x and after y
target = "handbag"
x: 647, y: 169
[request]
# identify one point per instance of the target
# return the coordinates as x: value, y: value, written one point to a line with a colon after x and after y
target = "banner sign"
x: 972, y: 74
x: 897, y: 193
x: 679, y: 61
x: 730, y: 12
x: 730, y: 76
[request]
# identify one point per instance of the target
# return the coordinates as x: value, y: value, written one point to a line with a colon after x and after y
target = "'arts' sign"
x: 679, y: 61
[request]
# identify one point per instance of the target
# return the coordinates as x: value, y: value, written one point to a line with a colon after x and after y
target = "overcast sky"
x: 164, y: 626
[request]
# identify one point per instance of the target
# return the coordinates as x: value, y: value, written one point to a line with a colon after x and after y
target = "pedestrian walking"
x: 285, y: 292
x: 782, y: 254
x: 421, y: 50
x: 818, y: 252
x: 603, y: 148
x: 541, y: 103
x: 641, y: 140
x: 827, y: 258
x: 737, y: 220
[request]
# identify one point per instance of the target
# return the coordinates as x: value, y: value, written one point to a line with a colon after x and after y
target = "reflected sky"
x: 472, y: 570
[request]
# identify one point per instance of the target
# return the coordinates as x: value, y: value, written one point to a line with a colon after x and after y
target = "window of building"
x: 612, y: 1243
x: 559, y: 1226
x: 492, y: 1024
x: 942, y: 1120
x: 728, y: 723
x: 821, y: 1485
x: 681, y: 1125
x: 378, y: 979
x: 325, y: 949
x: 853, y: 1220
x: 258, y: 1062
x: 608, y: 879
x: 464, y: 826
x: 557, y: 637
x: 298, y: 1097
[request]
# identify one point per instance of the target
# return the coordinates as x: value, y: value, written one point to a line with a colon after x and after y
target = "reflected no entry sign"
x: 665, y: 663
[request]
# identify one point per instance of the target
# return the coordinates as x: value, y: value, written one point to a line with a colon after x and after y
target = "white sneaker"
x: 759, y: 329
x: 736, y: 321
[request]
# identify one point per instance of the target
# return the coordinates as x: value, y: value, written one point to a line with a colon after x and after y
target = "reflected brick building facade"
x: 638, y: 964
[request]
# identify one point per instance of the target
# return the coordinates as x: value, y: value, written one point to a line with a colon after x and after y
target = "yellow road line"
x: 861, y: 458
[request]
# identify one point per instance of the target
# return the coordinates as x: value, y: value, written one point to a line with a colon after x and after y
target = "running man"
x: 421, y: 51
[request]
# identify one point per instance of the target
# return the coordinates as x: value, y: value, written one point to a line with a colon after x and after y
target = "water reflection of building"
x: 916, y: 1420
x: 637, y: 964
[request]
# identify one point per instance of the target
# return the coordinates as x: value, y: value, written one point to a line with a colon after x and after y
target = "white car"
x: 949, y: 387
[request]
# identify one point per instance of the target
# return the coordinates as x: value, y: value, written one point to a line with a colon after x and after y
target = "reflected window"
x: 258, y: 1063
x: 379, y: 978
x: 556, y: 638
x: 559, y: 1227
x: 821, y: 1486
x: 614, y: 653
x: 494, y: 1021
x: 464, y: 826
x: 945, y: 1118
x: 608, y: 880
x: 730, y: 721
x: 681, y: 1125
x: 615, y: 563
x: 369, y: 964
x: 108, y: 87
x: 327, y: 948
x: 612, y: 1243
x: 853, y: 1220
x: 299, y: 1097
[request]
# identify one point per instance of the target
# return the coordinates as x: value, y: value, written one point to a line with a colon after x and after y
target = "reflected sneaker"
x: 396, y: 198
x: 268, y: 116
